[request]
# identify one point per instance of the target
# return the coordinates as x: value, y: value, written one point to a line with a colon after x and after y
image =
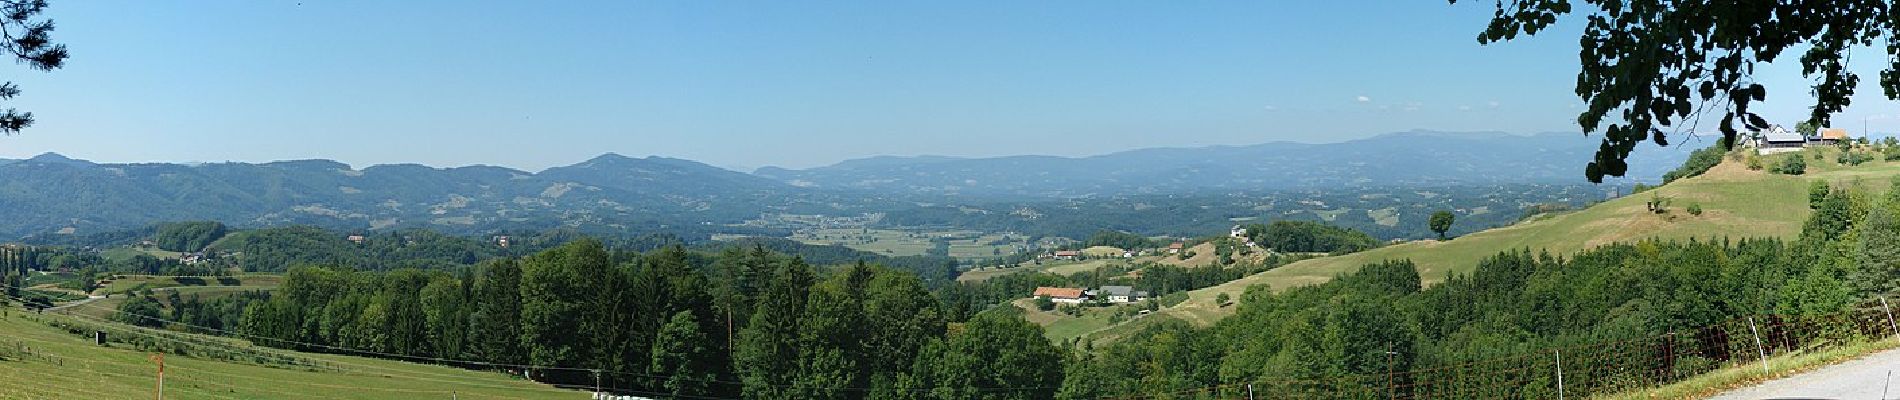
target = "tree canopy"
x: 1651, y: 68
x: 1441, y: 222
x: 30, y: 41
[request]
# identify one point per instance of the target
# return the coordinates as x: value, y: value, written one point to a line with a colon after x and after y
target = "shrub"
x: 1221, y: 299
x: 1695, y: 209
x: 1852, y: 158
x: 1754, y: 163
x: 1796, y: 165
x: 1043, y: 303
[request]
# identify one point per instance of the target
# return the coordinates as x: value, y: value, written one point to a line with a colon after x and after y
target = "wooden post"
x: 160, y: 359
x: 1389, y: 392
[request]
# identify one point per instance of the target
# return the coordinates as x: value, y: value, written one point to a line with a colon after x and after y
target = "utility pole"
x: 160, y: 359
x: 597, y: 382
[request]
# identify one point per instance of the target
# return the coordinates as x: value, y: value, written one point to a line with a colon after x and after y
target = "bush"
x: 1754, y: 163
x: 1221, y: 299
x: 1796, y: 165
x: 1849, y: 157
x: 1043, y: 303
x: 1695, y: 209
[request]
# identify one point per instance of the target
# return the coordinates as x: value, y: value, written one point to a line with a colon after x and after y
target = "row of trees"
x: 1309, y: 237
x: 749, y: 323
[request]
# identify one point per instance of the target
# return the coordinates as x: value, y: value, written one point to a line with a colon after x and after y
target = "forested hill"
x: 611, y: 192
x: 1415, y: 158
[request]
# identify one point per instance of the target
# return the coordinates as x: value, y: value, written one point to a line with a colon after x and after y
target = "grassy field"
x: 39, y: 361
x: 1053, y: 267
x: 890, y: 242
x: 1060, y: 327
x: 128, y: 283
x: 206, y: 289
x: 124, y: 253
x: 1737, y: 203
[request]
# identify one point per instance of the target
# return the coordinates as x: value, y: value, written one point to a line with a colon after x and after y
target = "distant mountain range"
x: 1415, y: 158
x: 51, y: 192
x: 55, y: 194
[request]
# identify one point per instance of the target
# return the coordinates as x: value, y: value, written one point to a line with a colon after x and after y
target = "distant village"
x: 1117, y: 294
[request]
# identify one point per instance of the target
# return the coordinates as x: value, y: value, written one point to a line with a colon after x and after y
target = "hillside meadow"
x: 46, y: 362
x: 1737, y: 203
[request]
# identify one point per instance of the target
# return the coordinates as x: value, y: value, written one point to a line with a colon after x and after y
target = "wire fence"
x: 1585, y: 370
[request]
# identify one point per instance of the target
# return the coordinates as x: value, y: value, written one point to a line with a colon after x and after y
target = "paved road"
x: 88, y: 299
x: 1865, y: 378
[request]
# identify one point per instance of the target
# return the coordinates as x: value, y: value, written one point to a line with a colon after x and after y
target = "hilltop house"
x: 1831, y: 136
x: 1239, y: 232
x: 1176, y: 247
x: 1776, y: 139
x: 1062, y: 295
x: 1068, y: 255
x: 1119, y: 294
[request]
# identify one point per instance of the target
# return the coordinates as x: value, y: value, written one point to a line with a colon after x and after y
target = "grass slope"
x: 1737, y: 203
x: 39, y: 361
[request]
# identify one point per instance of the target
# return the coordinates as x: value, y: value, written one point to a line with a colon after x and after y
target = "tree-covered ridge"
x: 188, y: 236
x: 1698, y: 162
x: 610, y: 193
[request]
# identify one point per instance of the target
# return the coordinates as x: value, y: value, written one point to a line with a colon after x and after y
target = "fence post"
x: 1249, y: 390
x: 1890, y: 324
x: 1560, y: 374
x: 1758, y: 350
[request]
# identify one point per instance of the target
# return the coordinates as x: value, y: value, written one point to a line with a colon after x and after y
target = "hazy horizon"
x: 360, y: 166
x: 788, y: 85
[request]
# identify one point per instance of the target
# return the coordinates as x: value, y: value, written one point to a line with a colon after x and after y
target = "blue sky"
x: 796, y: 84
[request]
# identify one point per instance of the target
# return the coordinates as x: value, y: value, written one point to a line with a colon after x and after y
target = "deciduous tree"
x: 1650, y: 67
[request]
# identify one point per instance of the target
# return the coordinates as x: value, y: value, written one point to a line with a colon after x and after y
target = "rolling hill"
x: 1738, y: 203
x: 54, y: 194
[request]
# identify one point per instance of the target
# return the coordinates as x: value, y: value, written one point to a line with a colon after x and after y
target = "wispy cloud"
x: 1271, y: 107
x: 1464, y: 108
x: 1492, y: 104
x: 1364, y: 99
